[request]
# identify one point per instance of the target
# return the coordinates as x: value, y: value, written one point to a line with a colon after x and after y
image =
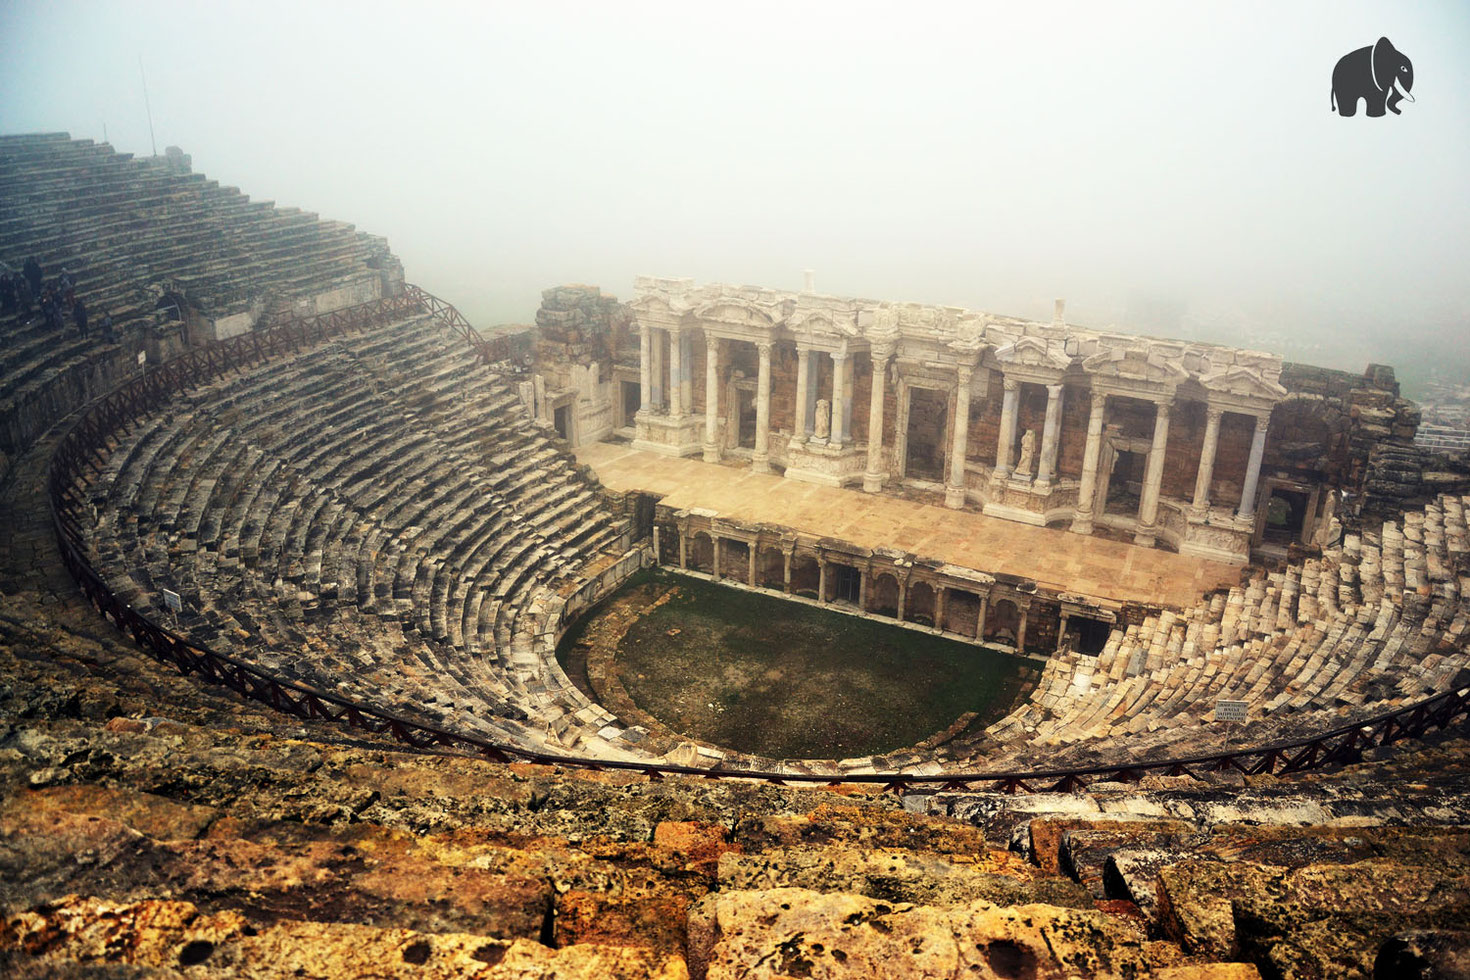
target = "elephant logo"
x: 1379, y: 74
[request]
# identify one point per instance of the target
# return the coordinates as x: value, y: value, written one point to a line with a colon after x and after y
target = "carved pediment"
x: 1131, y: 364
x: 1032, y: 352
x: 818, y: 321
x: 657, y: 307
x: 737, y: 313
x: 1242, y: 382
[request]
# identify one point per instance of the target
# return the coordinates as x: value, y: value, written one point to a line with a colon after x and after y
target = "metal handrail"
x: 81, y: 450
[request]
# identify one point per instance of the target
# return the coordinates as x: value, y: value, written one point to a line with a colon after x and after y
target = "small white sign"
x: 142, y: 357
x: 172, y: 601
x: 1230, y: 710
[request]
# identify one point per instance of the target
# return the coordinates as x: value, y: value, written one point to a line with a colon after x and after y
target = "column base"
x: 760, y: 463
x: 1082, y: 524
x: 712, y: 453
x: 1145, y: 537
x: 999, y: 476
x: 954, y: 498
x: 873, y: 482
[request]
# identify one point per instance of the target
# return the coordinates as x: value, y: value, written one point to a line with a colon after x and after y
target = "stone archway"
x: 701, y: 552
x: 770, y: 569
x: 918, y: 606
x: 805, y: 576
x: 1003, y: 622
x: 883, y: 595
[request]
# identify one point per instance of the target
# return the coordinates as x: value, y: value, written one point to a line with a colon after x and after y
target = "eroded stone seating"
x: 376, y: 517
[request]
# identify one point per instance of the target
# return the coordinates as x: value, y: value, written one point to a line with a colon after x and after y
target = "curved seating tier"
x: 131, y: 230
x: 377, y: 517
x: 1379, y: 620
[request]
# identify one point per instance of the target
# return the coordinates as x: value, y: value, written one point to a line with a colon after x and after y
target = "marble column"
x: 821, y: 579
x: 873, y: 478
x: 840, y: 398
x: 1062, y: 632
x: 683, y: 547
x: 760, y: 460
x: 1005, y: 451
x: 803, y: 403
x: 1021, y: 630
x: 1082, y: 522
x: 954, y: 492
x: 980, y: 618
x: 645, y: 369
x: 676, y: 373
x: 847, y: 386
x: 752, y: 580
x: 1201, y: 505
x: 658, y: 555
x: 716, y: 553
x: 863, y: 576
x: 786, y: 568
x: 939, y: 591
x: 1051, y: 432
x: 656, y: 394
x: 686, y: 373
x: 1153, y: 480
x: 1253, y: 469
x: 711, y: 398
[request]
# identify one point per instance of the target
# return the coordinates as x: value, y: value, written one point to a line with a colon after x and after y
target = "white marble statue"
x: 824, y: 418
x: 1028, y: 450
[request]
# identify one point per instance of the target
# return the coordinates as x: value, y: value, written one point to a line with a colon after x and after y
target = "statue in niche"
x: 824, y: 419
x: 1028, y: 450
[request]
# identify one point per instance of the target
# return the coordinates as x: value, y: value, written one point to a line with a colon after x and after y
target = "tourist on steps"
x: 79, y: 314
x: 107, y: 335
x: 32, y: 270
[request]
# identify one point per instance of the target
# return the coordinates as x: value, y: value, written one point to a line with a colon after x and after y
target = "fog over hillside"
x: 1170, y: 168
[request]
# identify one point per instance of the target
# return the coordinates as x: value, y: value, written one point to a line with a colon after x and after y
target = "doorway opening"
x: 928, y: 420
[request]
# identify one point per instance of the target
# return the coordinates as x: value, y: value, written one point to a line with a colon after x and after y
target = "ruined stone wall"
x: 1338, y: 428
x: 575, y: 325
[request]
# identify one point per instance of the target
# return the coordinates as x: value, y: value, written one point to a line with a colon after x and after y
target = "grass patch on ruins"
x: 777, y: 678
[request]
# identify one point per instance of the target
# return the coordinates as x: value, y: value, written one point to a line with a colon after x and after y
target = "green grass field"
x: 780, y: 679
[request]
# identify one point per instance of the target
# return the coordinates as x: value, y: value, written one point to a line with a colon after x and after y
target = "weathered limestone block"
x: 85, y: 932
x: 1316, y: 921
x: 795, y: 932
x: 998, y: 877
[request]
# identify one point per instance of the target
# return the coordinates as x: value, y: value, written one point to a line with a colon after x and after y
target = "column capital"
x: 1099, y: 400
x: 880, y: 353
x: 1213, y: 413
x: 965, y: 372
x: 1163, y: 408
x: 1053, y: 391
x: 1263, y: 422
x: 1011, y: 384
x: 711, y: 340
x: 839, y: 355
x: 763, y: 348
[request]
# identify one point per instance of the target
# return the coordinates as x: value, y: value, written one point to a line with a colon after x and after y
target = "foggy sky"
x: 1170, y: 168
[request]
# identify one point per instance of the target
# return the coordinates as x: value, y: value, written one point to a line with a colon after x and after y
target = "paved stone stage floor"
x: 1055, y: 559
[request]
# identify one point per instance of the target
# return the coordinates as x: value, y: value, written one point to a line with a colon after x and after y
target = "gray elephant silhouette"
x: 1380, y: 74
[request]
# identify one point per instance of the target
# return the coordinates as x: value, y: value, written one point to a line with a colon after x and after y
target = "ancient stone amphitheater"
x: 285, y: 564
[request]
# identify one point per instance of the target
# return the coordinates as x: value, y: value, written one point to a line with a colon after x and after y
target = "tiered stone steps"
x: 128, y: 229
x: 1377, y: 621
x: 375, y: 517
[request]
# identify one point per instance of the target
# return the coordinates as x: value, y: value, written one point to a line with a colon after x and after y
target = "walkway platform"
x: 1055, y: 559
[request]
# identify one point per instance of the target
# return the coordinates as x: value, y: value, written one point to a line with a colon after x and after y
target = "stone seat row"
x: 383, y: 522
x: 1298, y: 658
